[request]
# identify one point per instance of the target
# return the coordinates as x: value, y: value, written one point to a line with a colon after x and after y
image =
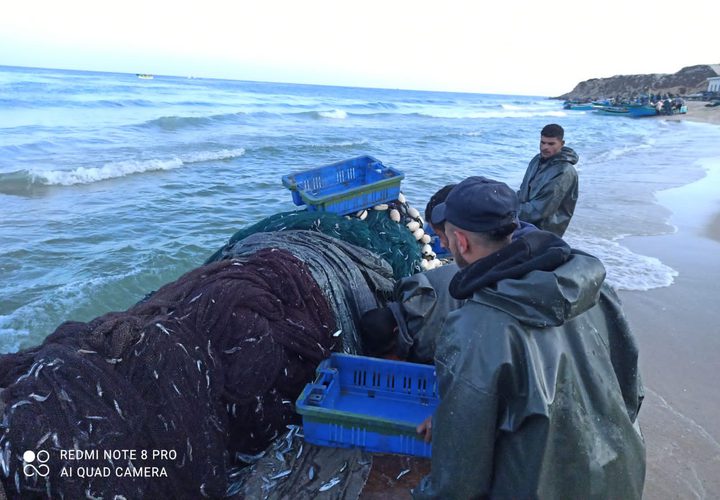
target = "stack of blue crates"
x: 346, y: 186
x: 370, y: 403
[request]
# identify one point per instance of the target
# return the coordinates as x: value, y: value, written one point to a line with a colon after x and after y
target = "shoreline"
x: 679, y: 339
x: 696, y: 112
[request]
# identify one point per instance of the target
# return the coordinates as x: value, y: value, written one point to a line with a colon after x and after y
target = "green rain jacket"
x: 549, y: 191
x: 421, y: 304
x: 538, y: 381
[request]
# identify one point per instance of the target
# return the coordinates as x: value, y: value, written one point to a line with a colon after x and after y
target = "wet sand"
x: 678, y: 330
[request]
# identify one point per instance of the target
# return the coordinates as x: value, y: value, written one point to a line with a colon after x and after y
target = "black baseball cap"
x: 478, y: 204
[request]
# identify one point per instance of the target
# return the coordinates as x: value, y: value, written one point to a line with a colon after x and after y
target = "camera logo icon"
x: 35, y: 464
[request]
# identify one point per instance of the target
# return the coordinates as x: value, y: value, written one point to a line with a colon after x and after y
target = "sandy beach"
x: 697, y: 111
x: 679, y: 337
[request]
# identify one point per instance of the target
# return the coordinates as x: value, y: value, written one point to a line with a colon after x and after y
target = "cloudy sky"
x: 526, y: 47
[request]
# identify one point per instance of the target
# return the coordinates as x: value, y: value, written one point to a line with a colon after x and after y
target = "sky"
x: 522, y: 47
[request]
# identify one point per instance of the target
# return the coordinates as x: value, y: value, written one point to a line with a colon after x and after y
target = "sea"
x: 112, y: 186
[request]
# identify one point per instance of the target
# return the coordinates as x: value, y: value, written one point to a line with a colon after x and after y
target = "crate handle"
x: 325, y: 376
x: 316, y: 396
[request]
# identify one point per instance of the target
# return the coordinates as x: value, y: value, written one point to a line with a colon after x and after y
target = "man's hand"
x: 425, y: 428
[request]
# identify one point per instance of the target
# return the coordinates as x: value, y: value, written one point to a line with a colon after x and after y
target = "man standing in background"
x: 549, y: 190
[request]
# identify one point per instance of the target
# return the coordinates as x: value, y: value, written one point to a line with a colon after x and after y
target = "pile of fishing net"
x: 377, y: 232
x: 209, y: 367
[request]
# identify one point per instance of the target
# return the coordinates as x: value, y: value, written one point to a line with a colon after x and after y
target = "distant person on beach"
x: 549, y: 190
x: 537, y: 370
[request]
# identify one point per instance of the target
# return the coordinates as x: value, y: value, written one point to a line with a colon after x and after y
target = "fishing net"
x: 352, y: 279
x: 208, y: 365
x: 377, y: 233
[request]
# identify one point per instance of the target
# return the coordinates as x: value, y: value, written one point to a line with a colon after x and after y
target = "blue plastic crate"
x: 370, y: 403
x: 346, y: 186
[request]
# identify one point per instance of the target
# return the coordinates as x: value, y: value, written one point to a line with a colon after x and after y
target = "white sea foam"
x: 626, y: 270
x: 87, y: 175
x: 615, y: 153
x: 337, y: 114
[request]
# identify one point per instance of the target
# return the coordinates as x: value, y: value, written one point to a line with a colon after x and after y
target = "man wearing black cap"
x: 549, y: 190
x: 537, y: 371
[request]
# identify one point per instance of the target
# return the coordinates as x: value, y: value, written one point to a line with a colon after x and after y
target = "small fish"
x: 163, y: 329
x: 195, y: 298
x: 299, y: 452
x: 43, y: 439
x: 3, y: 465
x: 156, y: 374
x: 56, y: 440
x: 342, y: 469
x: 176, y: 389
x: 402, y: 473
x: 282, y: 474
x: 86, y: 351
x: 249, y: 459
x: 20, y: 403
x: 38, y: 397
x: 99, y: 389
x: 117, y: 407
x: 113, y: 361
x: 311, y: 473
x: 337, y: 334
x: 329, y: 484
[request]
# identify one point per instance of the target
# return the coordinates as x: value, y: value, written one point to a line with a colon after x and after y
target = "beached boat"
x: 631, y: 110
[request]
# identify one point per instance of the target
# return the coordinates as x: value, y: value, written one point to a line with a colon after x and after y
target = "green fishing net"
x: 377, y: 233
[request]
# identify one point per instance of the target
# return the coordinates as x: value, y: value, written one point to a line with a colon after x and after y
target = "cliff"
x: 689, y: 80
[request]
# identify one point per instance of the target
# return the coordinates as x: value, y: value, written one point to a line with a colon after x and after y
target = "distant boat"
x: 145, y: 76
x: 578, y: 106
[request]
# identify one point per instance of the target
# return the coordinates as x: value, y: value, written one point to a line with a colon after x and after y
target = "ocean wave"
x: 27, y: 181
x: 172, y: 123
x: 336, y: 114
x: 619, y: 152
x: 626, y: 270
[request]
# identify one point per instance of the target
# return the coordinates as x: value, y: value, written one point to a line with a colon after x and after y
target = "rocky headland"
x: 688, y: 81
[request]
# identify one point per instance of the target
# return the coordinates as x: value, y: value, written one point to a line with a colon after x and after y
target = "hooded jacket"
x: 422, y: 302
x: 549, y: 191
x: 538, y: 381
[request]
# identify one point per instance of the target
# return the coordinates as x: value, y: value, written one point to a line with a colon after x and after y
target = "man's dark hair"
x: 553, y: 130
x: 377, y: 331
x: 435, y: 200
